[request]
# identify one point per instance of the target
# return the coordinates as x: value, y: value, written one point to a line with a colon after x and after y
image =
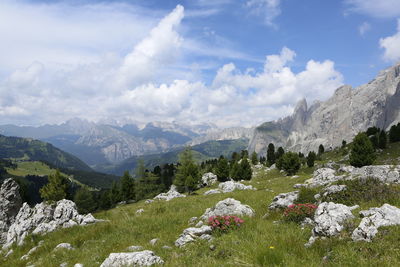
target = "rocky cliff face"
x: 232, y: 133
x: 341, y: 117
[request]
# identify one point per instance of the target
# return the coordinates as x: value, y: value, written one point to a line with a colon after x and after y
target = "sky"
x: 226, y: 62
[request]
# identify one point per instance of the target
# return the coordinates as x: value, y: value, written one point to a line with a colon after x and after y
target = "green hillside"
x: 28, y: 149
x: 263, y: 240
x: 201, y: 152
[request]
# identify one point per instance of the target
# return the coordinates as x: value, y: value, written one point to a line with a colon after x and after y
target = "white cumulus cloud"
x: 391, y: 45
x: 375, y: 8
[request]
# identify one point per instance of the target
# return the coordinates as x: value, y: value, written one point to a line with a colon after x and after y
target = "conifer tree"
x: 271, y: 154
x: 127, y: 187
x: 382, y: 139
x: 254, y: 158
x: 235, y: 171
x: 56, y: 188
x: 362, y: 151
x: 311, y: 158
x: 222, y: 170
x: 84, y: 201
x: 321, y: 150
x: 245, y: 171
x: 279, y: 153
x: 186, y: 168
x: 291, y: 163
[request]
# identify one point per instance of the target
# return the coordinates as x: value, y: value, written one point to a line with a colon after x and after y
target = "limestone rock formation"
x: 374, y: 218
x: 212, y: 191
x: 341, y: 117
x: 208, y: 179
x: 171, y: 194
x: 192, y: 233
x: 329, y: 219
x: 323, y: 176
x: 284, y: 200
x: 230, y: 186
x: 141, y: 258
x: 44, y: 218
x: 384, y: 173
x: 10, y: 203
x: 228, y: 206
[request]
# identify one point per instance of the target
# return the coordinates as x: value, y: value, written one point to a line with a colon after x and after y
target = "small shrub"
x: 306, y: 195
x: 298, y: 212
x: 225, y: 223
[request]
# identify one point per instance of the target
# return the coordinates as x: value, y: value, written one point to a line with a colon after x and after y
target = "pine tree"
x: 191, y: 184
x: 321, y: 150
x: 382, y: 140
x: 362, y: 151
x: 222, y: 170
x: 148, y: 186
x: 84, y: 200
x: 115, y: 193
x: 344, y: 143
x: 127, y: 187
x: 271, y: 154
x: 394, y: 133
x: 245, y: 171
x: 235, y: 171
x: 56, y: 188
x: 254, y: 158
x: 186, y: 168
x: 311, y: 158
x: 291, y: 163
x: 279, y: 153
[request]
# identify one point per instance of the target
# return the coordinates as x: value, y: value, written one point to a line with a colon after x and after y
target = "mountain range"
x: 348, y: 112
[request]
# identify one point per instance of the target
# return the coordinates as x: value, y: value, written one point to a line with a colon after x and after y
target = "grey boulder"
x: 284, y: 200
x: 228, y: 206
x: 141, y: 258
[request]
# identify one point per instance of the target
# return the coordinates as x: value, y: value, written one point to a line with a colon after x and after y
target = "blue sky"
x: 229, y: 62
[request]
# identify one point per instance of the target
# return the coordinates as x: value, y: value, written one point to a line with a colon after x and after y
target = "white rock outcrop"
x: 171, y: 194
x: 322, y: 177
x: 374, y: 218
x: 230, y: 186
x: 284, y: 200
x: 228, y: 206
x: 208, y: 179
x: 384, y: 173
x: 329, y: 220
x: 10, y: 203
x: 66, y: 246
x: 192, y: 233
x: 44, y: 218
x: 141, y: 258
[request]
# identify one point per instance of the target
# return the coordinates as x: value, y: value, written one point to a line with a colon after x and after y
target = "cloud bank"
x: 145, y: 85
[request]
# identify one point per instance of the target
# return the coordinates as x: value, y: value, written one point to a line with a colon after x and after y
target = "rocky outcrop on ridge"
x: 348, y: 112
x: 10, y: 203
x: 45, y: 218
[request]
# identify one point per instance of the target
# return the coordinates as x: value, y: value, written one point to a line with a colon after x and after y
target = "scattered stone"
x: 45, y: 218
x: 9, y: 253
x: 148, y: 201
x: 64, y: 264
x: 284, y: 200
x: 78, y: 265
x: 166, y: 247
x: 142, y: 258
x: 329, y: 219
x: 191, y: 234
x: 228, y: 206
x: 121, y: 203
x: 307, y: 222
x: 212, y: 191
x: 212, y: 247
x: 154, y: 241
x: 192, y: 220
x: 30, y: 252
x: 66, y: 246
x: 10, y: 203
x: 171, y: 194
x: 295, y: 176
x: 208, y: 179
x: 374, y: 218
x: 230, y: 186
x: 199, y: 224
x: 298, y: 186
x: 134, y: 248
x: 139, y: 211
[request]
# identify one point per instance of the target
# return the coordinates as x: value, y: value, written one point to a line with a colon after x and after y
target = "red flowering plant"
x: 298, y: 212
x: 225, y: 223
